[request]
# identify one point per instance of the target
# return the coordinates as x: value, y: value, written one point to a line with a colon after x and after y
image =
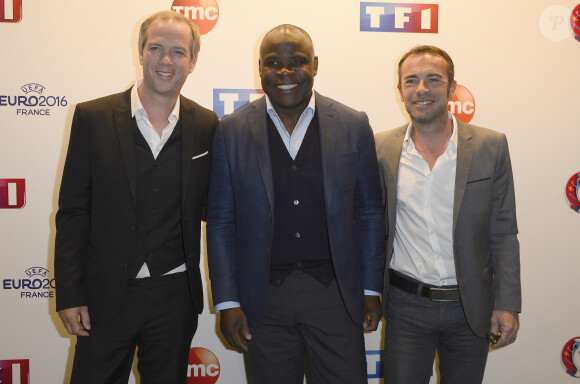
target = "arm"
x: 221, y: 243
x: 370, y: 226
x: 72, y: 228
x: 505, y: 253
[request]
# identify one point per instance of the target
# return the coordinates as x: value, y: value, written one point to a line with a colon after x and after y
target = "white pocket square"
x: 198, y: 156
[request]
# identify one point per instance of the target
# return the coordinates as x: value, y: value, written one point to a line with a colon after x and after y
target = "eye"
x: 435, y: 81
x: 410, y: 82
x: 179, y: 52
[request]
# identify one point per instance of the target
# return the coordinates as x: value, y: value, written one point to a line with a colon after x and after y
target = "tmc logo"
x: 203, y: 13
x: 15, y: 371
x: 226, y: 101
x: 203, y: 366
x: 12, y: 193
x: 10, y: 11
x: 399, y: 17
x: 462, y: 104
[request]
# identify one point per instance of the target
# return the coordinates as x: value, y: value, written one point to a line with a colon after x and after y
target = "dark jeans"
x: 307, y: 321
x: 416, y: 327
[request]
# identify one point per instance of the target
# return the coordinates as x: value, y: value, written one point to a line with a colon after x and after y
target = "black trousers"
x: 306, y: 321
x: 157, y: 317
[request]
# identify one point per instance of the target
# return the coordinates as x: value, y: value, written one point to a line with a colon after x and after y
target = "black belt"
x: 430, y: 292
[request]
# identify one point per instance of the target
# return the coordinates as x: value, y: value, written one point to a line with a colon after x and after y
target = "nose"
x: 284, y: 71
x: 422, y: 86
x: 166, y: 58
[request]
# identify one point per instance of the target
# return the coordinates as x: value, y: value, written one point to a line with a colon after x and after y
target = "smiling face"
x: 425, y: 88
x: 166, y: 58
x: 287, y: 68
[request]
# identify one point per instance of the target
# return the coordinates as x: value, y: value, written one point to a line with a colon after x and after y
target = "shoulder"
x: 344, y: 111
x: 200, y: 111
x: 479, y: 135
x: 106, y: 103
x: 389, y: 136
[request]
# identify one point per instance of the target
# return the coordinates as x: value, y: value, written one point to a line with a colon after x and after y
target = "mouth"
x: 286, y: 87
x: 424, y: 102
x: 165, y: 74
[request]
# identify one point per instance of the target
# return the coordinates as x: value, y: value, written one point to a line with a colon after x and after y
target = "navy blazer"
x: 241, y: 206
x: 96, y: 223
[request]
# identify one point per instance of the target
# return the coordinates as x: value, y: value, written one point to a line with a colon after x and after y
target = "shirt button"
x: 296, y: 202
x: 294, y: 167
x: 297, y: 234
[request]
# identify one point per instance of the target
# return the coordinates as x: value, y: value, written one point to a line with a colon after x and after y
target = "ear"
x: 452, y: 89
x: 401, y: 93
x: 193, y: 63
x: 260, y: 66
x: 315, y: 65
x: 140, y: 56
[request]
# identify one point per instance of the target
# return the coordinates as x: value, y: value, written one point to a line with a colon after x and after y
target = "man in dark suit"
x: 295, y: 224
x: 131, y: 202
x: 452, y: 247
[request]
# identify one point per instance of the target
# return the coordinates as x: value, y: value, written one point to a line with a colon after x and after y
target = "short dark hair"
x: 423, y: 49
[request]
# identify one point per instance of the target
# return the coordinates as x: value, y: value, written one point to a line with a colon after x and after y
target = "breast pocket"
x: 346, y: 170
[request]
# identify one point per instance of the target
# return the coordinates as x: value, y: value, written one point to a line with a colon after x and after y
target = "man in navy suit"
x: 131, y: 202
x: 296, y: 236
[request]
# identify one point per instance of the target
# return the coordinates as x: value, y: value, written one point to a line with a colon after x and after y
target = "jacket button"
x: 134, y: 226
x: 127, y: 264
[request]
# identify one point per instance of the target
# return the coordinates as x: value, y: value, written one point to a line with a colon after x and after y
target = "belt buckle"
x: 435, y: 294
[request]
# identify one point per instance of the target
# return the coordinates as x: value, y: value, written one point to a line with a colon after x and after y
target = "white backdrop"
x: 518, y: 59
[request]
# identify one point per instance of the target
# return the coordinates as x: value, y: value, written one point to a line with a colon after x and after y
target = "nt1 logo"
x: 12, y: 193
x: 10, y: 11
x: 15, y: 371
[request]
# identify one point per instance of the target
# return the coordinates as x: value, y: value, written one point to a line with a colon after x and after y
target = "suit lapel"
x: 189, y: 145
x: 123, y: 125
x: 257, y: 121
x: 327, y: 123
x: 464, y: 156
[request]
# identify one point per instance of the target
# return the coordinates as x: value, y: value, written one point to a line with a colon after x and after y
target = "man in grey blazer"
x: 453, y: 277
x: 295, y: 225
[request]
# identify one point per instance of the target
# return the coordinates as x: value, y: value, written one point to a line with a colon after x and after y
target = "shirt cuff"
x: 367, y: 293
x: 226, y: 305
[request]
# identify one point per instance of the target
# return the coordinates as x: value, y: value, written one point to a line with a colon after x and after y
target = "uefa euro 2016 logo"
x: 571, y: 357
x: 573, y: 192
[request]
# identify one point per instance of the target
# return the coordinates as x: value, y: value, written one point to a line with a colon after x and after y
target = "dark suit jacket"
x: 241, y: 201
x: 97, y: 223
x: 485, y: 244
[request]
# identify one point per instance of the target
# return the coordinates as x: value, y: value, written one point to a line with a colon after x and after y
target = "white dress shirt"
x: 423, y: 243
x: 156, y: 144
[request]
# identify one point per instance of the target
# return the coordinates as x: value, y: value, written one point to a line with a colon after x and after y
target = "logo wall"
x: 570, y: 357
x: 203, y: 366
x: 10, y: 11
x: 15, y: 371
x: 573, y: 192
x: 203, y: 13
x: 462, y: 105
x: 399, y: 17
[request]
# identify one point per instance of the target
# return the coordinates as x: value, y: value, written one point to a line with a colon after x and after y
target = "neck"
x: 158, y: 108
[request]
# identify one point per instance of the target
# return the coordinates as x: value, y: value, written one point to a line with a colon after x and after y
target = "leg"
x: 106, y: 355
x: 462, y: 355
x: 169, y: 323
x: 276, y: 351
x: 335, y: 349
x: 411, y: 338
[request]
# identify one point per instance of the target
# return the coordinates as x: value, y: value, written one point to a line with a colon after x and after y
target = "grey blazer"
x: 485, y: 243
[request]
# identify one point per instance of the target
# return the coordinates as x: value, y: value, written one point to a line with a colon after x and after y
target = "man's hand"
x: 234, y: 326
x: 373, y: 312
x: 70, y: 319
x: 507, y: 323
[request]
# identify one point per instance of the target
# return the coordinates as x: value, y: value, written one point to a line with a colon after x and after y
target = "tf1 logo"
x: 15, y: 371
x: 12, y: 193
x: 10, y: 11
x: 226, y: 101
x: 203, y: 367
x: 399, y: 17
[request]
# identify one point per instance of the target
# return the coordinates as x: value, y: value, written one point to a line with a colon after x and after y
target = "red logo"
x: 573, y: 192
x: 462, y: 105
x: 10, y: 11
x: 12, y: 193
x: 15, y: 371
x: 203, y: 367
x: 575, y: 22
x: 570, y: 358
x: 203, y: 13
